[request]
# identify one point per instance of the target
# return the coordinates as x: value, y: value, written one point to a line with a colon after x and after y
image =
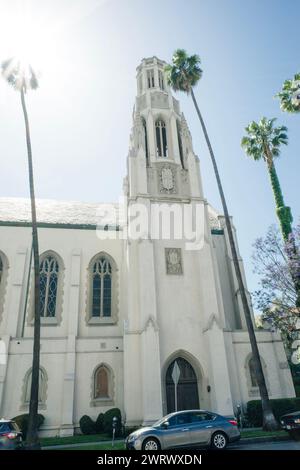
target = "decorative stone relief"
x: 167, y: 180
x: 173, y: 260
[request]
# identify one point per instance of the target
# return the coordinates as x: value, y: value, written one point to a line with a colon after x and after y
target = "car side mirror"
x: 165, y: 425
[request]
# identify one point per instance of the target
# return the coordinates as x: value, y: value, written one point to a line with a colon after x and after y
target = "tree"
x: 290, y: 95
x: 22, y: 78
x: 276, y: 296
x: 183, y: 74
x: 263, y: 141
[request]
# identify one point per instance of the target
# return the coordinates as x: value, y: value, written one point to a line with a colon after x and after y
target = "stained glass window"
x: 49, y: 270
x: 161, y: 139
x: 102, y: 287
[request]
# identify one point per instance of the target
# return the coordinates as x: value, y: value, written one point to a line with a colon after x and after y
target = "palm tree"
x: 22, y: 78
x: 263, y: 141
x: 290, y: 95
x: 183, y: 74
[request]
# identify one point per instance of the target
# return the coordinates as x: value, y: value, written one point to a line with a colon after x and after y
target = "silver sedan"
x: 189, y: 428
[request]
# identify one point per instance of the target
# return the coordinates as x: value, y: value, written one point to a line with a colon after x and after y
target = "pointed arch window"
x: 161, y: 138
x: 1, y: 269
x: 150, y: 78
x: 3, y: 281
x: 43, y: 383
x: 102, y: 288
x: 102, y: 386
x: 252, y: 372
x: 49, y: 271
x: 101, y: 383
x: 252, y: 384
x: 146, y: 141
x: 161, y: 80
x: 180, y: 143
x: 102, y: 293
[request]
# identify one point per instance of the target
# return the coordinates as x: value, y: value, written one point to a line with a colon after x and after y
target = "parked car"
x: 290, y: 422
x: 189, y: 428
x: 10, y: 435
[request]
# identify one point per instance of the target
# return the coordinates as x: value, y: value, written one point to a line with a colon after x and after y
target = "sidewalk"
x: 245, y: 440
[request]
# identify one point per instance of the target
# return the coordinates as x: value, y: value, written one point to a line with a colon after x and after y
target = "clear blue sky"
x: 81, y: 115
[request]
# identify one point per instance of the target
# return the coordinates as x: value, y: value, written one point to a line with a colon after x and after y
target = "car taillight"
x: 10, y: 435
x: 233, y: 422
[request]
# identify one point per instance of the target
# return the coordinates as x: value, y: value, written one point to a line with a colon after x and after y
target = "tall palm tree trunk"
x: 285, y: 220
x: 32, y: 434
x: 269, y: 421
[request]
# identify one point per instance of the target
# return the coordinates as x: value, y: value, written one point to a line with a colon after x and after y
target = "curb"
x: 253, y: 440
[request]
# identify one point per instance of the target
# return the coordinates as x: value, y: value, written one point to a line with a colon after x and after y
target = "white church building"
x: 122, y: 300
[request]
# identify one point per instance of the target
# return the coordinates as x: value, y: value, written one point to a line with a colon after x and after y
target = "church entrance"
x: 187, y: 388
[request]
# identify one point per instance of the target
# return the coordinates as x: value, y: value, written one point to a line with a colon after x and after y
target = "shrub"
x: 22, y: 422
x: 108, y: 421
x: 87, y: 425
x: 129, y: 429
x: 99, y: 423
x: 280, y: 407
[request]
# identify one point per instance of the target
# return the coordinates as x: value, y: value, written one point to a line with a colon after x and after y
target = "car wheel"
x: 219, y: 441
x: 151, y: 444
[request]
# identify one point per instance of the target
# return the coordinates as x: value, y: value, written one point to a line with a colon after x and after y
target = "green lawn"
x: 261, y: 433
x: 53, y: 441
x: 117, y: 446
x: 96, y: 438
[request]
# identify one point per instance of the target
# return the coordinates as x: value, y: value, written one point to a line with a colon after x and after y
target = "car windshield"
x: 5, y: 427
x: 162, y: 420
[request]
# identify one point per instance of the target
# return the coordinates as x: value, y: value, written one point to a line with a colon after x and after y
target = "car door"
x: 201, y: 427
x: 177, y: 433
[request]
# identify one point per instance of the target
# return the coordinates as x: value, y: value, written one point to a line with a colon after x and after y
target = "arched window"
x: 102, y: 288
x: 252, y: 384
x: 3, y: 281
x: 101, y: 383
x: 146, y: 141
x: 180, y: 144
x: 1, y: 269
x: 161, y: 139
x: 150, y: 78
x: 43, y: 381
x: 252, y: 372
x: 161, y: 80
x: 49, y: 271
x: 102, y: 386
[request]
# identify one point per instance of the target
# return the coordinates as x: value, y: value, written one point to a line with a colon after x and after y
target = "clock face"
x: 167, y: 178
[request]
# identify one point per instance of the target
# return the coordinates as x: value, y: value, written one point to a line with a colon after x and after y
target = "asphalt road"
x: 276, y: 445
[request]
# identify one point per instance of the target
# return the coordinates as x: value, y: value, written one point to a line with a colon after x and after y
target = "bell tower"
x: 161, y: 160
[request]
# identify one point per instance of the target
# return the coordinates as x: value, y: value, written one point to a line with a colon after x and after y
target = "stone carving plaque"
x: 166, y: 178
x: 173, y: 260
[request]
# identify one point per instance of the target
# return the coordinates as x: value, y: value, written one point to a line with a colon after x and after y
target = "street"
x: 276, y: 445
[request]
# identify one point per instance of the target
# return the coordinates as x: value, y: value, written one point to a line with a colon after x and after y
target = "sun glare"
x: 26, y: 37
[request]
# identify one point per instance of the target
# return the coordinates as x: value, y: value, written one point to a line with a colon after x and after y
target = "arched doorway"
x: 187, y: 388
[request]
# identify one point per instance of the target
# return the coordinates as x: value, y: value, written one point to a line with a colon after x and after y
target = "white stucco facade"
x: 167, y: 301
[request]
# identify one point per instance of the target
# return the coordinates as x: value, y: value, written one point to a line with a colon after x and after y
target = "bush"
x: 87, y: 425
x: 280, y: 407
x: 108, y: 421
x: 129, y: 429
x: 99, y: 423
x: 22, y: 422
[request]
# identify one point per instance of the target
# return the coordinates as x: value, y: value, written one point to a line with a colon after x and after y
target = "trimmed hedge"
x: 87, y: 425
x: 108, y: 421
x: 280, y: 407
x: 22, y: 422
x: 99, y: 423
